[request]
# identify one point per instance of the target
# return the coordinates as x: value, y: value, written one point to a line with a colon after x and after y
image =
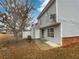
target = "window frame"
x: 50, y: 32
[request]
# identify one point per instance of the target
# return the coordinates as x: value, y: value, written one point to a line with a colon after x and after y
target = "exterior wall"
x: 35, y: 32
x: 69, y: 17
x: 45, y: 18
x: 57, y: 35
x: 69, y: 30
x: 26, y: 33
x: 45, y: 22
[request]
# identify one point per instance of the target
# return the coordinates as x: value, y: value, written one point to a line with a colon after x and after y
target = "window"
x: 51, y: 32
x: 52, y: 16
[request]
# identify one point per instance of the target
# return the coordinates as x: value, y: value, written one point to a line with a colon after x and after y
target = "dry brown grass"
x: 4, y: 37
x: 26, y: 50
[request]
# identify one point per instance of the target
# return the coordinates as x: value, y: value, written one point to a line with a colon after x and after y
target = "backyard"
x: 24, y: 49
x: 26, y: 24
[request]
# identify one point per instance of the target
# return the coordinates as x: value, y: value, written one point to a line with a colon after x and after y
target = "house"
x: 59, y: 20
x: 35, y: 32
x: 26, y: 33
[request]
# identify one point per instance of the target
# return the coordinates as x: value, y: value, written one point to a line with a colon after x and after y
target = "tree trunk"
x: 18, y: 36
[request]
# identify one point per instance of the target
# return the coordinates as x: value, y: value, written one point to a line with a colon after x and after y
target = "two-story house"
x: 59, y: 20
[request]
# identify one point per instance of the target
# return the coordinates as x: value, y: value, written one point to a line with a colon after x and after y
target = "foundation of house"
x: 70, y: 40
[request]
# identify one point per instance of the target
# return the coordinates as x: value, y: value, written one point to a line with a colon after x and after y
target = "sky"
x: 38, y: 5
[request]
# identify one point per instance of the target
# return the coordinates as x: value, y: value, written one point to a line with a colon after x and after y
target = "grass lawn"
x: 26, y: 50
x: 4, y: 37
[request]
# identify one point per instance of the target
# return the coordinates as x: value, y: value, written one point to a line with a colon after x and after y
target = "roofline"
x: 46, y: 8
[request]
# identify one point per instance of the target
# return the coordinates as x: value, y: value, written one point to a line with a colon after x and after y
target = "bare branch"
x: 16, y: 14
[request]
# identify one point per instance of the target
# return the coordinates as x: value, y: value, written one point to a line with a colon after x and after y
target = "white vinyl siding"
x: 45, y: 18
x: 68, y: 15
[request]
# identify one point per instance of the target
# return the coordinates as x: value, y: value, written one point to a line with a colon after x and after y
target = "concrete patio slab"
x: 54, y: 45
x: 43, y: 46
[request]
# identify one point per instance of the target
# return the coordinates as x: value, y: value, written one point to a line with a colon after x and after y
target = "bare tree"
x: 16, y: 16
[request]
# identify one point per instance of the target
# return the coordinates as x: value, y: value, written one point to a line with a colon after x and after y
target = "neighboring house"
x: 35, y: 32
x: 59, y: 21
x: 26, y: 33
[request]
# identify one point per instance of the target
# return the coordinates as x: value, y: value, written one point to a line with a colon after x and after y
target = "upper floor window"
x: 53, y: 16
